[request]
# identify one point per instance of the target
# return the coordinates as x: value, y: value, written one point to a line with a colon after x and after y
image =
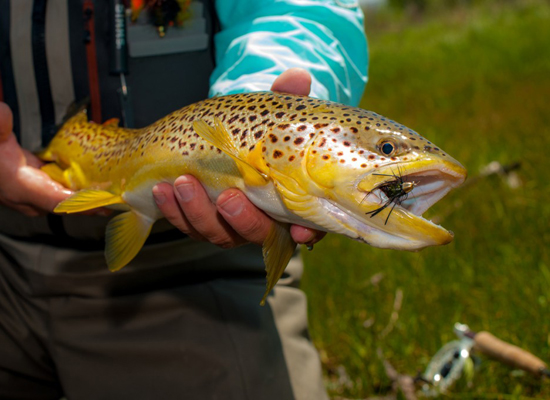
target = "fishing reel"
x: 448, y: 364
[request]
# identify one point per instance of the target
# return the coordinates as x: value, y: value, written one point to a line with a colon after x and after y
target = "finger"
x: 293, y: 81
x: 203, y: 215
x: 38, y: 190
x: 6, y: 122
x: 165, y: 199
x: 303, y: 235
x: 247, y: 220
x: 32, y: 160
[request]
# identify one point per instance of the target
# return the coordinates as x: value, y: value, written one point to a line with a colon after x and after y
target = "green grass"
x: 477, y: 83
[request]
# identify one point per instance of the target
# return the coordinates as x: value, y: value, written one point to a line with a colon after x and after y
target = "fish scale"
x: 301, y: 160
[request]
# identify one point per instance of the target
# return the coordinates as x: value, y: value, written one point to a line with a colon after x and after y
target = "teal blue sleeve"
x: 259, y: 39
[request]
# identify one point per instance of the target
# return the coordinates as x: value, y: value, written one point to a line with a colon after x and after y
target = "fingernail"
x: 311, y: 238
x: 159, y: 197
x: 233, y: 206
x: 185, y: 189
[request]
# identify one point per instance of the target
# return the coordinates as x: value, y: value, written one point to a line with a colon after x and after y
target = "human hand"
x: 233, y: 220
x: 23, y: 186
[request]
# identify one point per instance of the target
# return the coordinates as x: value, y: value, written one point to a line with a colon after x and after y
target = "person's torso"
x: 54, y: 53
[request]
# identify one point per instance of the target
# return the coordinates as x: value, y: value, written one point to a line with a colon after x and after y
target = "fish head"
x: 372, y: 179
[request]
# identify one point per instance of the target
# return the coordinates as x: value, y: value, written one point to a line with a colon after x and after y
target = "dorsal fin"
x: 220, y: 138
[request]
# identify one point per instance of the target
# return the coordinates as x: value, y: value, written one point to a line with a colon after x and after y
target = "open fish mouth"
x: 400, y: 225
x: 428, y: 187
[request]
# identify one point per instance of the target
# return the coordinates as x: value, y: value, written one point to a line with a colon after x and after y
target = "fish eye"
x: 388, y: 148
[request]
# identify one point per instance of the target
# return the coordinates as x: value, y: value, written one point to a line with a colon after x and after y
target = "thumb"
x: 293, y: 81
x: 39, y: 190
x: 6, y: 122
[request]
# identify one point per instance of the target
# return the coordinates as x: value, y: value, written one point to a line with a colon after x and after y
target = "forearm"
x: 260, y: 40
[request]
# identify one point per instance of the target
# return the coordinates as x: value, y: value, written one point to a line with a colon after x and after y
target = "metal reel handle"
x: 512, y: 355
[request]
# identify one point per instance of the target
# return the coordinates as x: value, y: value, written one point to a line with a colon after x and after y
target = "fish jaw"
x: 343, y: 208
x: 401, y: 226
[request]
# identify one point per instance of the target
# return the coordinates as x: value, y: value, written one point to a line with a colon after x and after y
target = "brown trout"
x: 301, y: 160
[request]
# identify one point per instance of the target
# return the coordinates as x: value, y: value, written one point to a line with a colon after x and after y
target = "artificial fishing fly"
x: 396, y: 192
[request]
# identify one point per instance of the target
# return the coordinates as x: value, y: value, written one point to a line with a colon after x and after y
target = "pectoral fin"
x: 219, y: 137
x: 124, y: 238
x: 88, y: 199
x: 278, y: 249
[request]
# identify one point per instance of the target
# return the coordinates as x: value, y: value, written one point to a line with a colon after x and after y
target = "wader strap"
x: 6, y: 66
x: 91, y: 56
x: 41, y: 72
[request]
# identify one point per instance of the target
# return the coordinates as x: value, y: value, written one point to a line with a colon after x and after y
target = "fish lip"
x: 453, y: 169
x: 406, y: 228
x: 378, y: 235
x: 442, y: 176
